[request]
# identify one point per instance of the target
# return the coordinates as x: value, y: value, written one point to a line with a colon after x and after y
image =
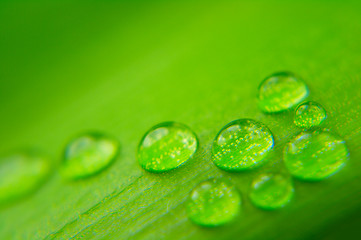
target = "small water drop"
x: 281, y: 91
x: 271, y: 191
x: 166, y: 146
x: 241, y: 144
x: 309, y: 114
x: 21, y: 174
x: 88, y: 154
x: 315, y: 155
x: 213, y: 203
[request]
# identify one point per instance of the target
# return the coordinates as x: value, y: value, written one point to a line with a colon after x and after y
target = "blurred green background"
x: 123, y: 66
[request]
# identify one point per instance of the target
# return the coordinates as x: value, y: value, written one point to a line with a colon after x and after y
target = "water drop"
x: 271, y: 191
x: 166, y: 146
x: 21, y: 174
x: 315, y: 155
x: 281, y: 91
x: 309, y: 114
x: 213, y: 202
x: 241, y: 144
x: 88, y: 154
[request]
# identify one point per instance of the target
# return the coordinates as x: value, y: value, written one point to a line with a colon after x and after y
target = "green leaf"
x: 123, y: 67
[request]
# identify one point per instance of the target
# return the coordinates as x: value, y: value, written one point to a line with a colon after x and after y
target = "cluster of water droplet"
x: 313, y: 154
x: 243, y: 144
x: 24, y: 172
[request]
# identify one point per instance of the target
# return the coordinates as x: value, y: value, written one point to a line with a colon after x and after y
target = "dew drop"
x: 166, y: 146
x: 241, y: 144
x: 88, y: 154
x: 309, y: 114
x: 21, y: 174
x: 271, y: 191
x: 213, y: 203
x: 315, y: 155
x: 281, y: 91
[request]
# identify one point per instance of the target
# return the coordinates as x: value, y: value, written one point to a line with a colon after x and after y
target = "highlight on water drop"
x: 21, y: 174
x: 242, y: 144
x: 309, y: 114
x: 88, y: 154
x: 271, y: 191
x: 166, y: 146
x: 281, y: 91
x: 214, y: 202
x: 315, y: 155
